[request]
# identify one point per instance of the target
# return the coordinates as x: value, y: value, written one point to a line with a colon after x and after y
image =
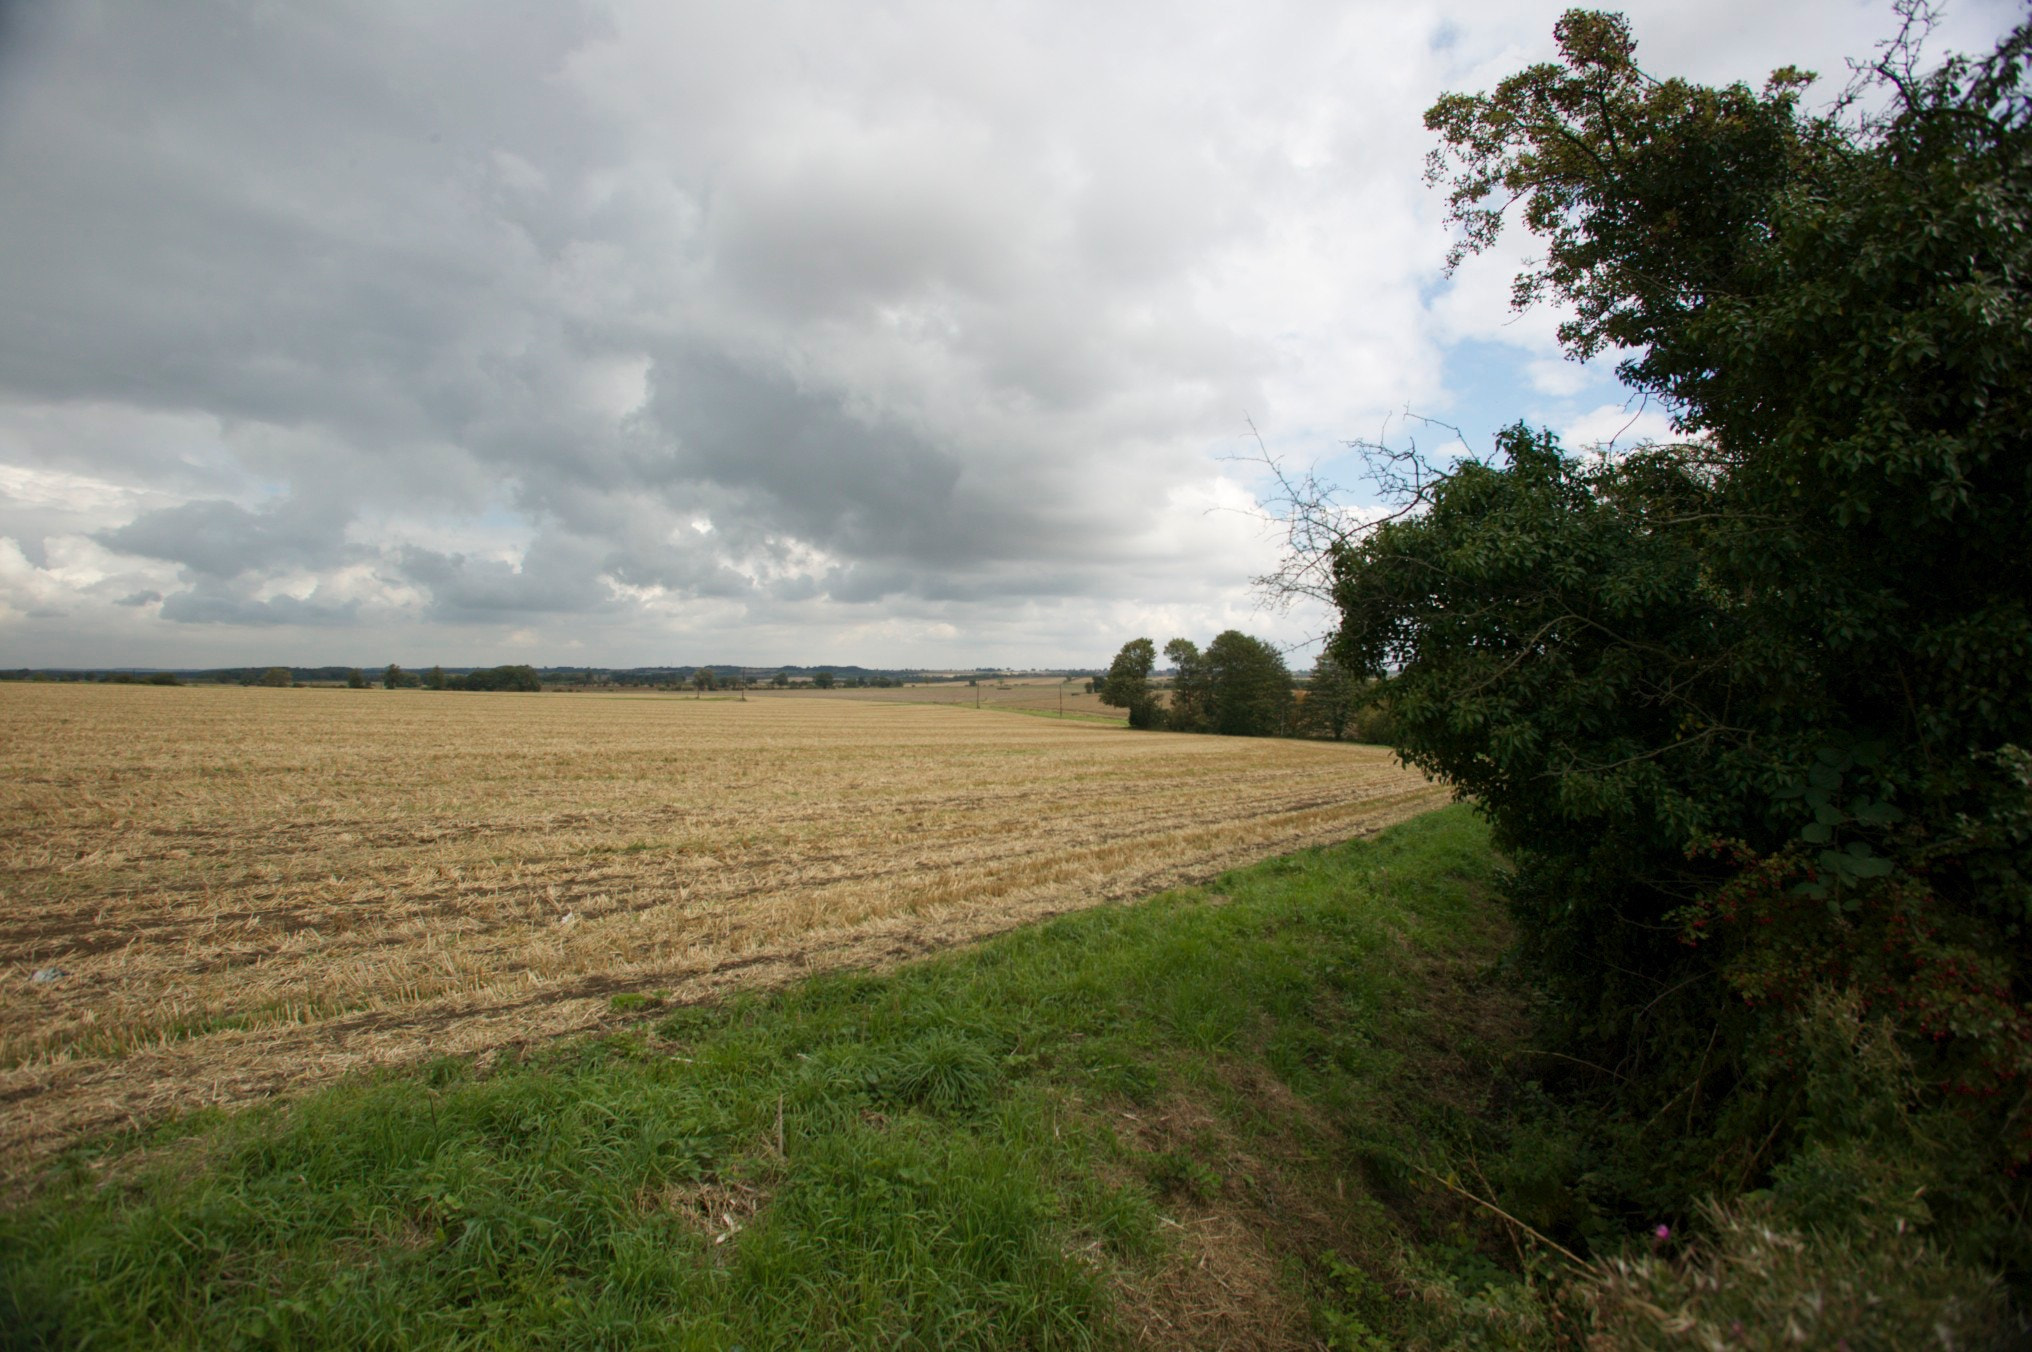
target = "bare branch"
x: 1316, y: 519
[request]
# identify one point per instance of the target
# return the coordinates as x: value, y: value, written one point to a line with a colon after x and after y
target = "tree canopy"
x: 1127, y: 684
x: 516, y: 677
x: 1332, y: 698
x: 1247, y: 685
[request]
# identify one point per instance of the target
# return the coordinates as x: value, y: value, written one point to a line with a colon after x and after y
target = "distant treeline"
x: 520, y: 676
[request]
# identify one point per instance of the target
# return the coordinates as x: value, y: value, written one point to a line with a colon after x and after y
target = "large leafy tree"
x: 1751, y: 711
x: 1127, y: 685
x: 1192, y: 696
x: 1238, y: 687
x: 1248, y: 684
x: 1332, y: 699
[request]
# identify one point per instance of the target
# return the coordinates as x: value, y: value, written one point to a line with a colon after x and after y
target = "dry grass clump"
x: 248, y: 889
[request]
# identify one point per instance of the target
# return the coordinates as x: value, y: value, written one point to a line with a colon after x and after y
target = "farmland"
x: 249, y: 890
x: 1047, y: 696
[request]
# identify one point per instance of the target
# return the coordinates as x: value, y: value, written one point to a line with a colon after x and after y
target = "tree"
x: 1652, y: 195
x: 1191, y: 708
x: 1238, y: 687
x: 1332, y: 695
x: 392, y: 677
x: 702, y: 680
x: 276, y: 676
x: 823, y: 680
x: 1248, y: 686
x: 1750, y: 712
x: 434, y: 679
x: 1127, y: 685
x: 356, y: 679
x: 520, y: 678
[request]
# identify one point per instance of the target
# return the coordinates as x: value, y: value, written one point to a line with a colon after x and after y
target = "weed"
x: 1179, y: 1175
x: 945, y: 1072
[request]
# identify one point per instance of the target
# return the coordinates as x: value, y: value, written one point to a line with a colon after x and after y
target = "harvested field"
x: 250, y: 889
x: 1046, y: 696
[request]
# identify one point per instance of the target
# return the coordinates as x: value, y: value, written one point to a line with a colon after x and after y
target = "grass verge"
x: 1218, y: 1117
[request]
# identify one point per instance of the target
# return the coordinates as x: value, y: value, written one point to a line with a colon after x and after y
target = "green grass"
x: 1016, y: 1145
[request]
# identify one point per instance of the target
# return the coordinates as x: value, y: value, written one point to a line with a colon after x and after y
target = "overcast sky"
x: 639, y: 333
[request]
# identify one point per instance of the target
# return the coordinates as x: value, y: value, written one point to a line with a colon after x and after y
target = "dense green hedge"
x: 1751, y: 712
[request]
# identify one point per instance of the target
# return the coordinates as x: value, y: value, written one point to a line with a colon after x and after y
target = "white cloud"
x: 1560, y: 378
x: 1617, y: 427
x: 60, y: 490
x: 941, y: 317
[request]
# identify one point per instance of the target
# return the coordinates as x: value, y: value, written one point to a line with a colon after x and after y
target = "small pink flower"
x: 1662, y: 1233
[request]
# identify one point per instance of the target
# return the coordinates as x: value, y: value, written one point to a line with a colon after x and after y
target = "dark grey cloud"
x: 263, y: 212
x: 223, y: 539
x: 210, y: 605
x: 855, y: 481
x: 557, y: 576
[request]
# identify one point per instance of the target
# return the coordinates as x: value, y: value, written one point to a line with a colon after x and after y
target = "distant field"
x: 1018, y: 694
x: 251, y: 889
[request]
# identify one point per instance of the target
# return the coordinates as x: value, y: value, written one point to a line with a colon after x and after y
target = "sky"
x: 626, y: 334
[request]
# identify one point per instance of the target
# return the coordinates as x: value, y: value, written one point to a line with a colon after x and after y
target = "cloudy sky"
x: 637, y: 333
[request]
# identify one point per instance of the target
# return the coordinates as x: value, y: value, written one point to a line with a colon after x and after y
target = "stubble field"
x: 251, y: 890
x: 1044, y: 696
